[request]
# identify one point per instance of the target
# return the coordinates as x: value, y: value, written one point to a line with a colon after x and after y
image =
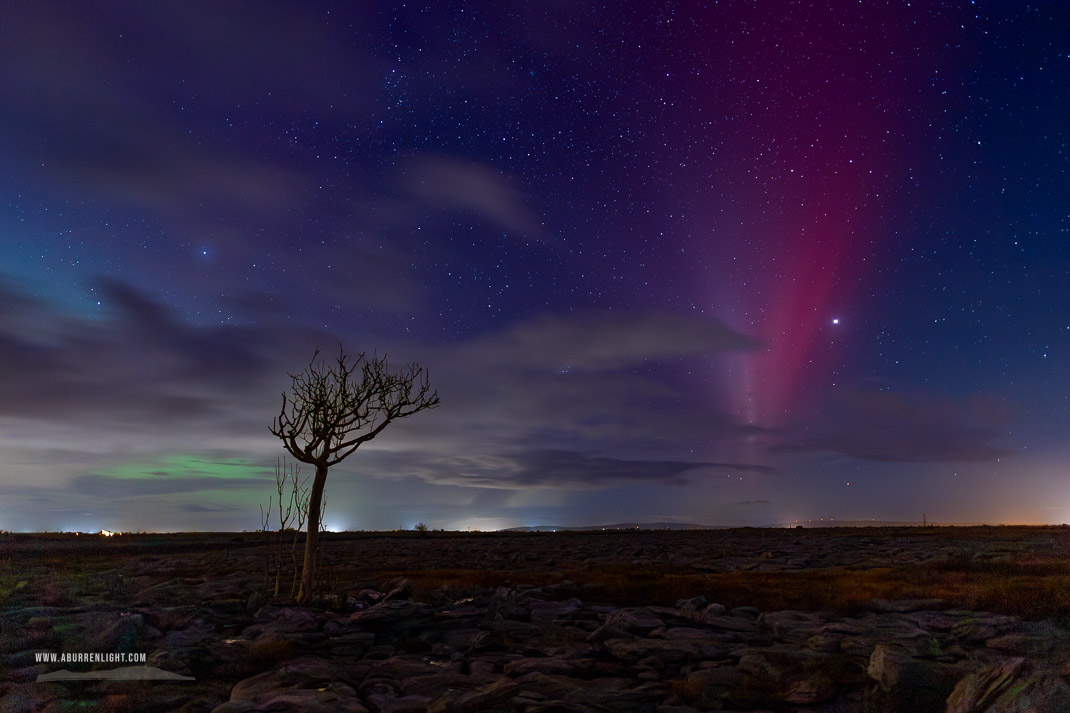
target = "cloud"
x: 139, y: 365
x: 753, y: 502
x: 524, y: 470
x: 444, y: 183
x: 589, y: 382
x: 604, y: 340
x: 198, y: 508
x: 139, y: 382
x: 897, y: 428
x: 288, y: 58
x: 140, y: 356
x: 82, y: 119
x: 576, y: 382
x: 108, y: 139
x: 571, y: 381
x: 549, y: 468
x: 96, y: 485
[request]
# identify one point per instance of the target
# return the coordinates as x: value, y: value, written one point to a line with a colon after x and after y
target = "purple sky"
x: 728, y: 263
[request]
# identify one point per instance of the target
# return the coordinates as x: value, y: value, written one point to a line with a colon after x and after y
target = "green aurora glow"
x: 187, y: 464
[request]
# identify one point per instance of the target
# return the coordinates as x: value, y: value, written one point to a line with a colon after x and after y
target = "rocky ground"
x: 533, y: 623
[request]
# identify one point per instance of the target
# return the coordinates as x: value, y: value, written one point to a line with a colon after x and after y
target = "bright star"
x: 835, y: 320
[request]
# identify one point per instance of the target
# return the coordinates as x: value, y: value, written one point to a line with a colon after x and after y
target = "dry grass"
x: 266, y: 654
x: 1037, y: 590
x: 984, y: 568
x: 426, y: 582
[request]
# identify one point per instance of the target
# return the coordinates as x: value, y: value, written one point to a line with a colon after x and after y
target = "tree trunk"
x: 308, y: 572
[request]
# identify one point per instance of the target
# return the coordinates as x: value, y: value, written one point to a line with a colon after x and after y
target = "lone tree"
x: 330, y: 410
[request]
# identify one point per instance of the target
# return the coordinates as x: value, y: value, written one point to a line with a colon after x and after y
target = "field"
x: 204, y: 605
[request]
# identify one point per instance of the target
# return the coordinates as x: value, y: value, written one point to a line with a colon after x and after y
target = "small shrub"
x: 9, y: 586
x: 270, y: 653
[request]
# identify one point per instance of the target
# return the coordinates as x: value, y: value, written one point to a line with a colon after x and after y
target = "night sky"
x: 723, y: 263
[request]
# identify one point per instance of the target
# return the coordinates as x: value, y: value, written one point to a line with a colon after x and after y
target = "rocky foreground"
x: 386, y: 648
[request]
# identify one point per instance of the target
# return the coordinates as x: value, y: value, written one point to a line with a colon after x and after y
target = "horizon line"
x: 666, y: 525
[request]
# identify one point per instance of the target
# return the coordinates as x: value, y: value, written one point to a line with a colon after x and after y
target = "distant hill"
x: 618, y: 526
x: 694, y: 526
x: 880, y: 523
x: 851, y: 523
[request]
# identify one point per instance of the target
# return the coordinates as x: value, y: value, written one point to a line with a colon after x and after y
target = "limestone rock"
x: 1015, y: 685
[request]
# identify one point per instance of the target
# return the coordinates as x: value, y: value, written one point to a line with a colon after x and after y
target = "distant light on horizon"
x: 482, y: 524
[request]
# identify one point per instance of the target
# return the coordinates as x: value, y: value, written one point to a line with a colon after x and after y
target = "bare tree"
x: 293, y: 508
x: 331, y: 410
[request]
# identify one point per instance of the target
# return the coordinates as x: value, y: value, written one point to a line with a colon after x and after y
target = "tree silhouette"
x: 331, y: 410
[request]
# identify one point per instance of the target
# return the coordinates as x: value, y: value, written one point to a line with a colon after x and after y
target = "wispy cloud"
x: 453, y: 184
x: 150, y: 383
x: 899, y: 428
x: 543, y: 468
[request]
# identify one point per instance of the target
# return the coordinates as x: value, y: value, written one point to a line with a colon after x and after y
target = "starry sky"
x: 728, y: 262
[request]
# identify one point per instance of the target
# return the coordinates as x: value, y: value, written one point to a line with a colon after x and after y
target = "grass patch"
x: 1034, y: 590
x: 270, y: 653
x: 425, y: 582
x: 9, y: 584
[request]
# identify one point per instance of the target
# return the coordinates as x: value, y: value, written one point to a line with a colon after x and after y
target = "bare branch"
x: 330, y: 410
x: 265, y: 516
